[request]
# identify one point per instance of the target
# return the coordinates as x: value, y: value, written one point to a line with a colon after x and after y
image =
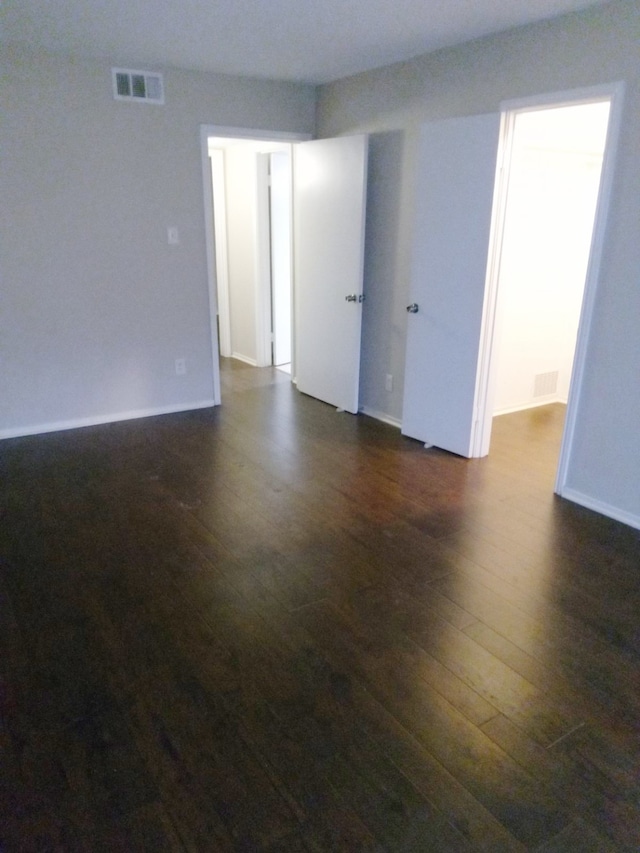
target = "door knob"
x: 413, y: 308
x: 351, y: 297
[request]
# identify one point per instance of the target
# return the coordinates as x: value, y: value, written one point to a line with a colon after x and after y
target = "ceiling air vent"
x: 143, y: 86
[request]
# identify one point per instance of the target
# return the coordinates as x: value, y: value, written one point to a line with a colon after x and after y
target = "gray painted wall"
x: 95, y: 306
x: 585, y: 49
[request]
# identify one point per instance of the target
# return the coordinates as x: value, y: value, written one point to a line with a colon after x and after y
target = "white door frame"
x: 263, y: 263
x: 219, y: 195
x: 207, y: 130
x: 281, y: 219
x: 484, y: 390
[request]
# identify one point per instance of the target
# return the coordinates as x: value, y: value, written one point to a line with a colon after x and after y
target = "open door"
x: 329, y: 196
x: 455, y: 183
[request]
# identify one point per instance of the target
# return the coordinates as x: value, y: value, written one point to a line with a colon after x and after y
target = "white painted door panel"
x: 329, y: 216
x: 455, y: 182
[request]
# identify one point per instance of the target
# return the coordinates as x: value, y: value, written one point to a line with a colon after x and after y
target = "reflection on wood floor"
x: 273, y: 627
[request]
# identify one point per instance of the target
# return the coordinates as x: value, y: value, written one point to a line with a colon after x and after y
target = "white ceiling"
x: 313, y: 41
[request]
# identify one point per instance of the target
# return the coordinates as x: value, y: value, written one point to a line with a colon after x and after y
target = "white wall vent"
x: 142, y: 86
x: 545, y: 384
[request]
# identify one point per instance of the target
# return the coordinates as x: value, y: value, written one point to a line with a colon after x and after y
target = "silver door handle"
x: 351, y: 297
x: 413, y: 308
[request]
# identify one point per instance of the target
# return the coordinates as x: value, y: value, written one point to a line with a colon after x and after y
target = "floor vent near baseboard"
x: 545, y: 384
x: 141, y: 86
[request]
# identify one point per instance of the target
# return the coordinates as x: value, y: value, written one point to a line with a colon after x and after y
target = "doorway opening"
x: 328, y: 198
x: 553, y: 180
x: 548, y: 221
x: 252, y: 213
x: 256, y: 325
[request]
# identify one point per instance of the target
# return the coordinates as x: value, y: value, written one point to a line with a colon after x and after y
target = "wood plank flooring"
x: 274, y: 627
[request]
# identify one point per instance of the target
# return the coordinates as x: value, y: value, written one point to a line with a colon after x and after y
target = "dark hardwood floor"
x: 273, y: 627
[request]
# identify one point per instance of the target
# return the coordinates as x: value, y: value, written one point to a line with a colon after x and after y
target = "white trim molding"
x: 245, y: 359
x: 615, y: 92
x: 380, y: 416
x: 221, y: 262
x: 78, y: 423
x: 601, y: 507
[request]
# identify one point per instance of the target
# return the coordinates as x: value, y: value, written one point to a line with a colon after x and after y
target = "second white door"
x: 329, y: 199
x: 456, y: 176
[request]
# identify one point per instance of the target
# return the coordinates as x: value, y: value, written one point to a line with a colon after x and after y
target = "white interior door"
x: 329, y: 192
x: 455, y: 183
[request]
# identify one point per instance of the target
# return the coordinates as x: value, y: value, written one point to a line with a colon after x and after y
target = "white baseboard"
x: 245, y: 359
x: 381, y: 416
x: 57, y: 426
x: 600, y: 506
x: 531, y: 405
